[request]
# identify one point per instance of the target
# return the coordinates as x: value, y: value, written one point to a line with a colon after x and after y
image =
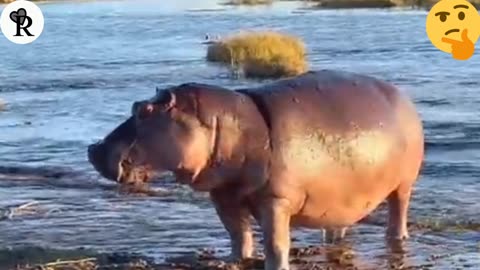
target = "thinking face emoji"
x: 453, y: 26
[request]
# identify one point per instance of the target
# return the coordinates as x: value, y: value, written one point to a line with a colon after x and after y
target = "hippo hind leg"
x: 398, y: 203
x: 333, y: 235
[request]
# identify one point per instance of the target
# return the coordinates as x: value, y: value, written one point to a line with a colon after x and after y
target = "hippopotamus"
x: 319, y: 150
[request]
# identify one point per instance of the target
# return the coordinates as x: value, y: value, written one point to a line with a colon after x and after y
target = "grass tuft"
x: 260, y: 54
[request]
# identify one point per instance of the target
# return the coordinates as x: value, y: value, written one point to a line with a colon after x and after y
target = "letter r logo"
x: 22, y: 22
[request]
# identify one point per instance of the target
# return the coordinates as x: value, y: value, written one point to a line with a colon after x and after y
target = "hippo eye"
x: 149, y: 108
x: 461, y: 16
x: 143, y: 110
x: 146, y: 110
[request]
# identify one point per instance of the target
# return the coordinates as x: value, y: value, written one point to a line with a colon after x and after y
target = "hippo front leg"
x: 235, y: 217
x: 275, y: 223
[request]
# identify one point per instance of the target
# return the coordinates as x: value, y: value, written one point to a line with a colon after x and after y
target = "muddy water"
x: 77, y: 82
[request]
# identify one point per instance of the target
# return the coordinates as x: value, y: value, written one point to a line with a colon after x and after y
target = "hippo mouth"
x: 117, y: 158
x: 119, y: 167
x: 129, y: 173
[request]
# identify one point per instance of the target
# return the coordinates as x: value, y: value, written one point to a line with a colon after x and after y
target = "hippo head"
x: 160, y: 135
x: 108, y: 156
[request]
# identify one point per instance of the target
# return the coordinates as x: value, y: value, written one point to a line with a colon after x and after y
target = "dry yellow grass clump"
x: 261, y: 54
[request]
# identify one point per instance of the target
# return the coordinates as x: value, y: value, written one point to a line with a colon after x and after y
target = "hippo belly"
x: 344, y: 176
x: 343, y: 184
x: 341, y: 143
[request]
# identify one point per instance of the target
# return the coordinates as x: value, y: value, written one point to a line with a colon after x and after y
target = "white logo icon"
x: 22, y: 22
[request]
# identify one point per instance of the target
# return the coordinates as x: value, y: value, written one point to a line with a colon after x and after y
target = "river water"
x: 77, y: 82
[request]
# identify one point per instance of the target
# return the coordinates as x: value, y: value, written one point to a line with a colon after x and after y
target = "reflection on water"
x: 70, y: 88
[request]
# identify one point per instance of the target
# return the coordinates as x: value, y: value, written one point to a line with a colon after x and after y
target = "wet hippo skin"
x: 321, y: 150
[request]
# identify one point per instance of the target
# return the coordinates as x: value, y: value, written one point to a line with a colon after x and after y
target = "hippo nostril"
x: 92, y: 149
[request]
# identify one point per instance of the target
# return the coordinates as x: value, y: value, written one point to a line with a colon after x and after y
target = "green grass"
x: 261, y: 54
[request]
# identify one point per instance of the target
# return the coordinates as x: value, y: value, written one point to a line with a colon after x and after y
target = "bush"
x: 260, y: 54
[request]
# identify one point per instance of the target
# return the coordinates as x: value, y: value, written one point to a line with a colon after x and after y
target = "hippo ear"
x: 166, y: 98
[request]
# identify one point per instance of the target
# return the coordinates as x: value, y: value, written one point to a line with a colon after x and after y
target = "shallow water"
x: 78, y: 80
